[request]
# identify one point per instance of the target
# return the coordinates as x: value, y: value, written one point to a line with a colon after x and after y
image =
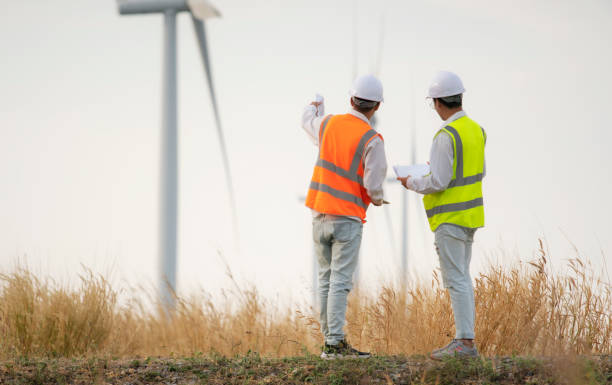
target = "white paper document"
x: 414, y: 170
x: 320, y: 107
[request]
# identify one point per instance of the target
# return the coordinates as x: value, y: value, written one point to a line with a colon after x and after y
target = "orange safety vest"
x: 337, y: 182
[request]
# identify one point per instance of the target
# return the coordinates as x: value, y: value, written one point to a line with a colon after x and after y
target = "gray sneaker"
x: 454, y: 348
x: 440, y: 349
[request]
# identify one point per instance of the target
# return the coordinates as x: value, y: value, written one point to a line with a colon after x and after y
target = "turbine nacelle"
x: 200, y: 9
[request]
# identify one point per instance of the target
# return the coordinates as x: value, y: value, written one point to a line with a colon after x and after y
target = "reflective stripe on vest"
x: 461, y: 203
x: 450, y: 207
x: 338, y: 194
x: 459, y: 179
x: 351, y: 173
x: 352, y: 134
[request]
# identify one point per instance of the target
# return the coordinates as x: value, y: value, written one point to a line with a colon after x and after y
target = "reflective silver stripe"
x: 460, y: 180
x: 322, y: 130
x: 451, y: 207
x: 359, y: 152
x: 465, y: 181
x: 338, y: 194
x: 340, y: 171
x: 459, y: 152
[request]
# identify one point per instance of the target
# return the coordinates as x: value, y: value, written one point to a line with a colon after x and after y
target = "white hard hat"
x: 445, y: 84
x: 367, y: 87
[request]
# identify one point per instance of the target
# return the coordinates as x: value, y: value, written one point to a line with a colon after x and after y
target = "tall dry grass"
x: 525, y: 309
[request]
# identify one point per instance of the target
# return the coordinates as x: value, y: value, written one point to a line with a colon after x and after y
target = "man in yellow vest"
x: 453, y: 203
x: 348, y: 176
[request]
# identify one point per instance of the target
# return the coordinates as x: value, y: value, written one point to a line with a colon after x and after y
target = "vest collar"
x: 359, y: 115
x: 455, y: 116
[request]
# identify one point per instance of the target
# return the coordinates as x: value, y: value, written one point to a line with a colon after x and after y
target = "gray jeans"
x: 337, y: 241
x: 454, y: 248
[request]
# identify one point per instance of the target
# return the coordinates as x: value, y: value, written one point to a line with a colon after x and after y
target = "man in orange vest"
x: 348, y: 176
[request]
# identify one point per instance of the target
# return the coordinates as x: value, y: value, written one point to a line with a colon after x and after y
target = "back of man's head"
x: 363, y: 105
x: 366, y: 94
x: 451, y: 102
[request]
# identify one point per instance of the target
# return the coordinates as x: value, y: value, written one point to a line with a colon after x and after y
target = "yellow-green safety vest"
x: 461, y: 203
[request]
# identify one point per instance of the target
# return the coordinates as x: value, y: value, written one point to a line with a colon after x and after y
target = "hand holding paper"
x: 412, y: 171
x: 406, y: 172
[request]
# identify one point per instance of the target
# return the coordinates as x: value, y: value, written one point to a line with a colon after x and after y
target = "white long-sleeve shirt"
x: 374, y: 159
x: 440, y: 163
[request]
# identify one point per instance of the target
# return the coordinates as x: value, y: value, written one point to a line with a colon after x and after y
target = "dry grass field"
x: 524, y: 310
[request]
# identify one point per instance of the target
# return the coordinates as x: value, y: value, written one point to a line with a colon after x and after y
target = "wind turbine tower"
x: 200, y: 10
x: 405, y: 197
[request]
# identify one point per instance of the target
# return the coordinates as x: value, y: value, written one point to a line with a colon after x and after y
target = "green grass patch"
x: 252, y: 369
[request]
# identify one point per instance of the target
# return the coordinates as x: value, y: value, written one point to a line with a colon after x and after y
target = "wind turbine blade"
x: 202, y: 9
x: 201, y: 36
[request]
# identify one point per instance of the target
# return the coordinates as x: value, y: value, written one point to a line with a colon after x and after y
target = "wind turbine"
x: 375, y: 68
x: 200, y: 10
x: 405, y: 233
x: 405, y: 196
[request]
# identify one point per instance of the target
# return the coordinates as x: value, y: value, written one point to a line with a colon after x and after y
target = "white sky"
x: 80, y: 129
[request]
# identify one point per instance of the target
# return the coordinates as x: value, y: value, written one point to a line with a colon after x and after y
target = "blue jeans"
x: 337, y: 241
x: 454, y: 248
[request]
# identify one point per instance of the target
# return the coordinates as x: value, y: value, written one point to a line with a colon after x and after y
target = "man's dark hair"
x: 453, y: 101
x: 363, y: 105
